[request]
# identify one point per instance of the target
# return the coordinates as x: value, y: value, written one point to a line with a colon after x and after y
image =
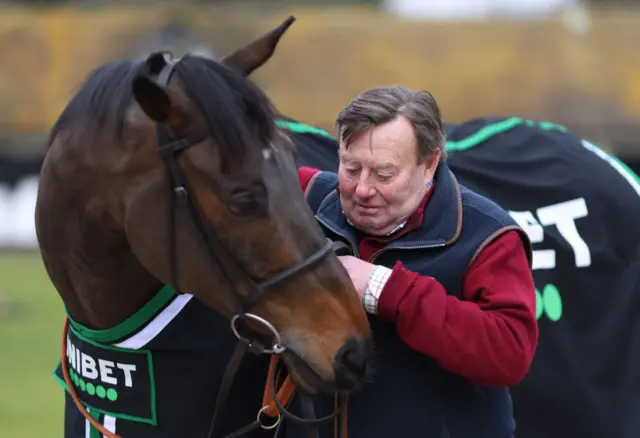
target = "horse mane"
x: 106, y: 88
x: 235, y: 109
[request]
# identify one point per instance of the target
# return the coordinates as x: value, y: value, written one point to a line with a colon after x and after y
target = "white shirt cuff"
x: 377, y: 280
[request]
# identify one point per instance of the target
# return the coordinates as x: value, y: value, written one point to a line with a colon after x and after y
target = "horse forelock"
x: 238, y: 114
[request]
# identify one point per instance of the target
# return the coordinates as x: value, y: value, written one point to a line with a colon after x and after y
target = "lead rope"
x: 274, y: 404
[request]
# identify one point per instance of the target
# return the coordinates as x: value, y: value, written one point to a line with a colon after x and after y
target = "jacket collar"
x: 441, y: 224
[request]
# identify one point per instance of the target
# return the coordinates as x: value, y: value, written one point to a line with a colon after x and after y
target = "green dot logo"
x: 549, y: 302
x: 112, y: 394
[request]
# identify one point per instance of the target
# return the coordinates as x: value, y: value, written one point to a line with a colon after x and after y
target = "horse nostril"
x: 352, y: 363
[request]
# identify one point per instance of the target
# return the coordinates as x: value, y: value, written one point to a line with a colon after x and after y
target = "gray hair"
x: 382, y: 104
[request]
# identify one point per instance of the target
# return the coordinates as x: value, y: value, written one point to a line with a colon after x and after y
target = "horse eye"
x: 246, y: 204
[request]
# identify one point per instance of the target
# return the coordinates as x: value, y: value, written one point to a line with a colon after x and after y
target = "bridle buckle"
x: 277, y: 346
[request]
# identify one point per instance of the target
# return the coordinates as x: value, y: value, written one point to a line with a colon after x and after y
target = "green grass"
x: 31, y: 402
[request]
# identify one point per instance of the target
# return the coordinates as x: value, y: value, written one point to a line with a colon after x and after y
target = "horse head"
x: 179, y: 173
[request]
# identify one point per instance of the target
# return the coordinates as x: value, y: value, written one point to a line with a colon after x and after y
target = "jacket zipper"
x: 376, y: 254
x: 355, y: 252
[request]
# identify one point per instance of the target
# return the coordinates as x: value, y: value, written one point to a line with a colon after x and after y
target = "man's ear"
x: 434, y: 159
x: 255, y: 54
x: 431, y: 164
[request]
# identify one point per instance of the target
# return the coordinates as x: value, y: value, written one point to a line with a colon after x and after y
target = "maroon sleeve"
x: 304, y: 176
x: 488, y: 337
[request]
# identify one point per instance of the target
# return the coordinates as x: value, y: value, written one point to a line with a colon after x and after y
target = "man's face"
x: 381, y: 181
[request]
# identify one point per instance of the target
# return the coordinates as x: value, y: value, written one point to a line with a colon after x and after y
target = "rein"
x: 274, y: 402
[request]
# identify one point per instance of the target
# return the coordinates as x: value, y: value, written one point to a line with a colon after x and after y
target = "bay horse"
x: 166, y: 180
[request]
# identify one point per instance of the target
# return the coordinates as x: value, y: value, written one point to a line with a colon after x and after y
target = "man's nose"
x: 364, y: 189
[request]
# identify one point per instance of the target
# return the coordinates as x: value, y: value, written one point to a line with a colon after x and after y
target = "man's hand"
x: 359, y: 271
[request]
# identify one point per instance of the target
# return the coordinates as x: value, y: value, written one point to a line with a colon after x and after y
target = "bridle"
x: 180, y: 196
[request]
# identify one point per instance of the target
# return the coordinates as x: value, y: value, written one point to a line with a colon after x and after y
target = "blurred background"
x: 572, y: 62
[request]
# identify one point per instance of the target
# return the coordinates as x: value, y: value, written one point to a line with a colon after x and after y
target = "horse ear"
x: 255, y: 54
x: 152, y: 98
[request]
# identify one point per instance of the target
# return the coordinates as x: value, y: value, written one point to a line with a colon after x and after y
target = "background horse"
x: 166, y: 181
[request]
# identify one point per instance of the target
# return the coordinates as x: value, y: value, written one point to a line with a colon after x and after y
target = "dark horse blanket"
x: 579, y: 206
x: 137, y: 379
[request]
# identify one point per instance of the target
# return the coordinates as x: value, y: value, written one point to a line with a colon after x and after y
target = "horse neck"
x: 101, y: 284
x: 89, y: 261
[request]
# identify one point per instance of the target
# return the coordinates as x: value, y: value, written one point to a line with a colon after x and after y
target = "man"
x: 443, y: 272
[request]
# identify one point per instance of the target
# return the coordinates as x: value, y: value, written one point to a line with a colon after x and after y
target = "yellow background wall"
x: 534, y: 69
